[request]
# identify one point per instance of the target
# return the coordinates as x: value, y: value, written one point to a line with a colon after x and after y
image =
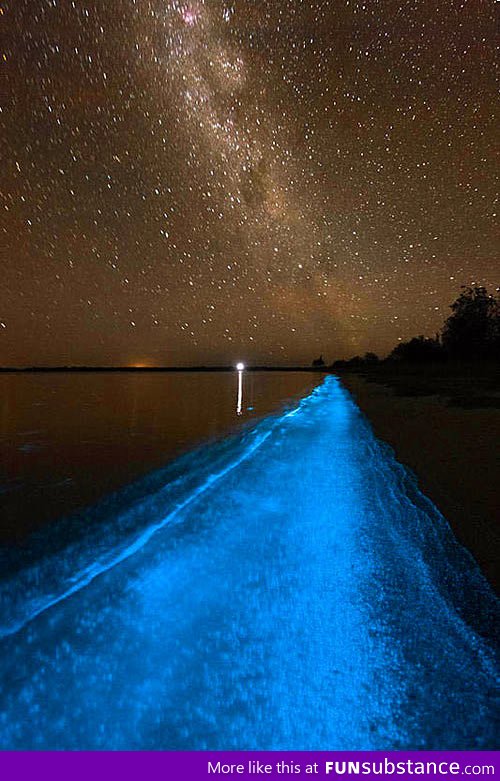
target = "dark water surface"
x: 68, y: 439
x: 288, y: 587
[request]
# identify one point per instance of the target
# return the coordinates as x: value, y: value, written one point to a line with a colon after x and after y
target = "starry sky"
x: 204, y: 181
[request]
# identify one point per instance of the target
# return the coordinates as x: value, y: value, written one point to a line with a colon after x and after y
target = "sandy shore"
x: 454, y: 454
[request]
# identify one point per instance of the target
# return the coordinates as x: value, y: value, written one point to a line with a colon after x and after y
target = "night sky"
x: 199, y: 182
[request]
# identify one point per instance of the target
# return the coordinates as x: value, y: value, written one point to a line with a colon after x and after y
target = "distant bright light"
x: 189, y: 16
x: 240, y: 366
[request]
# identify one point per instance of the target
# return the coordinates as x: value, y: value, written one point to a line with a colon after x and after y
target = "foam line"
x: 87, y: 575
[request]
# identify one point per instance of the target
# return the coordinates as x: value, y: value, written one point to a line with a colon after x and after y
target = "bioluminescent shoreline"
x: 285, y: 588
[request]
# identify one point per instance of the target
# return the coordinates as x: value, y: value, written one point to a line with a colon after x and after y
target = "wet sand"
x: 287, y: 588
x: 454, y: 454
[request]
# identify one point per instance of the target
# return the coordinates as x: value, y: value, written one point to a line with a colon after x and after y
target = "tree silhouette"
x: 419, y: 350
x: 473, y: 330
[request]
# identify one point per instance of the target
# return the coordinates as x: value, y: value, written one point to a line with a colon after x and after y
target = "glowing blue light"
x: 288, y: 587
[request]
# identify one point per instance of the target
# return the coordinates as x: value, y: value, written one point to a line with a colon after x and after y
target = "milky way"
x: 196, y: 182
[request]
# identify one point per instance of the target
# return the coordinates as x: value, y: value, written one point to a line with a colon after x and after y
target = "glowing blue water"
x: 287, y: 588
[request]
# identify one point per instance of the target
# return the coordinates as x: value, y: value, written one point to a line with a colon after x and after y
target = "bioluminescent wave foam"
x: 286, y: 588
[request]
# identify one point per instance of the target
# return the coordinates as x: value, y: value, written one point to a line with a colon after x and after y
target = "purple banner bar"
x: 206, y: 765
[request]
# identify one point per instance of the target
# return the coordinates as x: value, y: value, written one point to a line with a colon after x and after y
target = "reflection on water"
x: 68, y: 439
x: 289, y: 588
x: 239, y: 402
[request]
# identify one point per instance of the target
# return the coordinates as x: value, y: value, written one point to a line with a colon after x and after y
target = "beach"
x: 452, y: 450
x: 284, y: 586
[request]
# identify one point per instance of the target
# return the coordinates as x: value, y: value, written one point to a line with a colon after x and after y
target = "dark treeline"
x: 471, y: 333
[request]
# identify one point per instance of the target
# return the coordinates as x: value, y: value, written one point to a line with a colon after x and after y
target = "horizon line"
x: 125, y: 368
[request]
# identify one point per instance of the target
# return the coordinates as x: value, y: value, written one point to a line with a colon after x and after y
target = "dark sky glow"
x: 195, y: 182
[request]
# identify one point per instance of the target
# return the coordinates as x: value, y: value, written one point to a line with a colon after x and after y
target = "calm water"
x: 68, y: 439
x: 288, y: 587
